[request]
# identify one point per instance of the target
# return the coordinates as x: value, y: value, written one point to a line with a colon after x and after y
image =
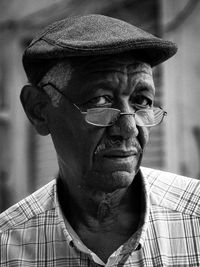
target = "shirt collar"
x: 136, y: 241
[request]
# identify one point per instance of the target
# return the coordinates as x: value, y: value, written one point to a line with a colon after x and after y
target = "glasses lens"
x: 102, y: 116
x: 149, y: 117
x: 159, y: 115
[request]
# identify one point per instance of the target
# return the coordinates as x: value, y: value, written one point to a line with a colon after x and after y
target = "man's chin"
x: 110, y: 182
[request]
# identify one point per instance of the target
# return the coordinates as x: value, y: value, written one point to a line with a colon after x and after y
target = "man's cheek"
x: 143, y: 136
x: 88, y: 146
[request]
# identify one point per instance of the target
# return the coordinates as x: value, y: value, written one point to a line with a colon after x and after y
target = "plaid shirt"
x: 34, y: 232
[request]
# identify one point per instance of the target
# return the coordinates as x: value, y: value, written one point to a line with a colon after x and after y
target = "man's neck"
x: 96, y: 209
x: 103, y: 221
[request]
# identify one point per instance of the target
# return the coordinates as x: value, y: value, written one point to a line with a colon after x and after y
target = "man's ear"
x: 34, y: 102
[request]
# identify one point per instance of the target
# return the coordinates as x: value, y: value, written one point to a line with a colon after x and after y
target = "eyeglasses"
x: 104, y: 117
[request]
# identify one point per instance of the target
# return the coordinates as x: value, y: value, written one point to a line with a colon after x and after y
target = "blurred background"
x: 27, y: 160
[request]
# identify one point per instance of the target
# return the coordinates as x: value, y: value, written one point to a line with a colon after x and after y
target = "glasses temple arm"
x: 59, y: 91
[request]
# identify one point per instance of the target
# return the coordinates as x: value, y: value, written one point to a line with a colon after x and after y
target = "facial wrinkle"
x: 111, y: 63
x: 128, y: 80
x: 141, y: 81
x: 121, y: 68
x: 120, y: 78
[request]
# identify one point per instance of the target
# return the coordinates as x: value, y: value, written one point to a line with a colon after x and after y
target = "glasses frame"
x: 122, y: 114
x: 119, y: 115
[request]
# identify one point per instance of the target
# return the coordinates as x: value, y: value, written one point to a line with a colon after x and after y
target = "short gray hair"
x: 59, y: 75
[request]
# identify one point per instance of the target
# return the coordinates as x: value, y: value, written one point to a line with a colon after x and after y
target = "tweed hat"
x: 91, y: 35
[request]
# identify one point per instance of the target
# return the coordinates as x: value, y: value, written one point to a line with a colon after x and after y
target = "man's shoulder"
x: 36, y: 204
x: 174, y: 192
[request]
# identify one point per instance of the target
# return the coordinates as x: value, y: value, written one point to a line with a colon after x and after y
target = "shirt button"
x: 71, y: 243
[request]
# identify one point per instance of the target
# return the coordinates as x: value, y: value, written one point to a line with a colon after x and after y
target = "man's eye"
x: 99, y: 101
x: 142, y: 102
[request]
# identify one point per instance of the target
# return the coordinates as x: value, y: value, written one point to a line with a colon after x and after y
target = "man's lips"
x: 112, y: 160
x: 116, y: 153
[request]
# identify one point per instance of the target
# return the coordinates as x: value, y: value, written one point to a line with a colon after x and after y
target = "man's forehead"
x: 108, y: 72
x: 89, y: 68
x: 117, y: 63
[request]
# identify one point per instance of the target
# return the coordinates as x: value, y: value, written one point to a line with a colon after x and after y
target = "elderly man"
x: 91, y: 88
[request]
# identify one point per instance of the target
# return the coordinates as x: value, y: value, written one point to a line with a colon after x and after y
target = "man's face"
x: 102, y: 158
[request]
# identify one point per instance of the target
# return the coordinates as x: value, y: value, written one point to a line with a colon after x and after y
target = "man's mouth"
x: 114, y: 159
x: 119, y: 153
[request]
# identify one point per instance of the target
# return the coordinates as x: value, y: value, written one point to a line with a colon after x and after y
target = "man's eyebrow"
x: 101, y: 83
x: 144, y: 87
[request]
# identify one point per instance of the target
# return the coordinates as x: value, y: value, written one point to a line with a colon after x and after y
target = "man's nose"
x: 125, y: 127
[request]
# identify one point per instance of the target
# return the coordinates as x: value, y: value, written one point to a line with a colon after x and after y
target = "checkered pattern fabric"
x: 33, y: 232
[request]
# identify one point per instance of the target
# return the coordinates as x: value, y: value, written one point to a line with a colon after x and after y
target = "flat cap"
x: 92, y: 35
